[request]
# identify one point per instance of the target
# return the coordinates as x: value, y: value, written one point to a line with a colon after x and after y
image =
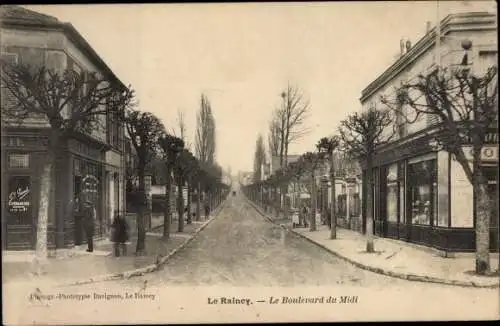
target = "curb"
x: 408, y: 277
x: 150, y: 268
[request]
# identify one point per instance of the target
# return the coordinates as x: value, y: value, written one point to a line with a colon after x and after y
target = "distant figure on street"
x: 304, y: 215
x: 206, y: 205
x: 88, y: 211
x: 119, y: 233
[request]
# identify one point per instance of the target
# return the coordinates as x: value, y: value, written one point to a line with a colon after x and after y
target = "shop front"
x: 79, y: 169
x: 422, y: 195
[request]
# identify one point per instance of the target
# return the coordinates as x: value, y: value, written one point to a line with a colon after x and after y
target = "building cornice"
x: 472, y: 21
x: 73, y: 35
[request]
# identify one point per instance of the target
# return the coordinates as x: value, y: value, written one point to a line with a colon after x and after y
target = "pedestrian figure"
x: 119, y: 235
x: 207, y: 209
x: 304, y: 215
x: 295, y: 218
x: 328, y: 217
x: 88, y: 212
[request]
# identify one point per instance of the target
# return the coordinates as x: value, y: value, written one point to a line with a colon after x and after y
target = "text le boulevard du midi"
x: 283, y: 300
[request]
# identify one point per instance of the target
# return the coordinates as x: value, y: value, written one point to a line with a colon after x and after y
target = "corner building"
x: 92, y: 161
x: 421, y: 194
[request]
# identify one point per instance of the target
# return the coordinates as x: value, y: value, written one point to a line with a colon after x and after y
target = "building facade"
x: 91, y: 162
x: 420, y: 192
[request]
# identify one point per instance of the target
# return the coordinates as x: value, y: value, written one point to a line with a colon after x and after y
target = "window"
x: 423, y: 191
x: 392, y: 193
x: 10, y: 58
x: 56, y: 61
x: 18, y: 161
x: 114, y: 129
x: 7, y: 99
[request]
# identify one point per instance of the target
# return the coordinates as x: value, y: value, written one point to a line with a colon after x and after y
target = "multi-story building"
x: 421, y: 193
x: 91, y: 159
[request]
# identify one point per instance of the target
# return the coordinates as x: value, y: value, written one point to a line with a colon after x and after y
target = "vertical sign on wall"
x: 19, y: 200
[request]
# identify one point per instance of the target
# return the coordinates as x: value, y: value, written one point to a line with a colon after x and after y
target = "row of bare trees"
x: 72, y: 103
x: 181, y: 167
x: 463, y: 106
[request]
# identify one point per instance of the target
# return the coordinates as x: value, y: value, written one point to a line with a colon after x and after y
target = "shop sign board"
x: 90, y: 184
x: 19, y: 194
x: 489, y: 153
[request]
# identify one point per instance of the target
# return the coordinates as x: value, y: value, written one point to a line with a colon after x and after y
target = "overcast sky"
x: 242, y: 56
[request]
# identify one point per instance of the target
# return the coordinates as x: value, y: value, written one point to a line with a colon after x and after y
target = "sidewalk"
x: 397, y: 258
x: 83, y: 267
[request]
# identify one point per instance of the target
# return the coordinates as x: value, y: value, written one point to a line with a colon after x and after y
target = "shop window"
x: 402, y: 183
x: 19, y: 200
x: 423, y: 186
x: 392, y: 193
x: 18, y: 161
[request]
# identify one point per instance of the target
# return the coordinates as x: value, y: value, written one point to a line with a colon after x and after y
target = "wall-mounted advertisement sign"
x: 90, y: 184
x: 19, y: 200
x: 489, y: 153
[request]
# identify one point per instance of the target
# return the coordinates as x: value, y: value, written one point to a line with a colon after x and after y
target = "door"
x: 77, y: 190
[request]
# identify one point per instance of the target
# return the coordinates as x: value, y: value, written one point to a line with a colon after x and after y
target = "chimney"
x: 408, y: 45
x: 402, y: 46
x: 428, y: 27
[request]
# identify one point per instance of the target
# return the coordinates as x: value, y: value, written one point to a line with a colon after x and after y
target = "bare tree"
x: 145, y: 130
x: 361, y: 134
x: 205, y: 132
x: 464, y: 107
x: 288, y: 126
x: 259, y: 158
x: 171, y: 146
x: 292, y: 116
x: 310, y: 163
x: 69, y: 102
x: 329, y: 146
x: 180, y: 130
x: 273, y: 137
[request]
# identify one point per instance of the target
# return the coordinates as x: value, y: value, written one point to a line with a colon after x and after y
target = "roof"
x: 22, y: 15
x: 453, y: 22
x: 16, y: 16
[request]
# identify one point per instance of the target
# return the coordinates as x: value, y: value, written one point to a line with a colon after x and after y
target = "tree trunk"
x: 312, y: 224
x: 482, y: 209
x: 333, y: 215
x: 277, y: 201
x: 141, y: 228
x: 198, y: 203
x: 43, y: 215
x: 369, y: 206
x: 189, y: 217
x: 180, y: 206
x: 47, y: 182
x: 167, y: 216
x: 285, y: 207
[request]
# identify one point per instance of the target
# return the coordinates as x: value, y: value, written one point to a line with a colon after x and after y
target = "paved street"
x: 240, y: 248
